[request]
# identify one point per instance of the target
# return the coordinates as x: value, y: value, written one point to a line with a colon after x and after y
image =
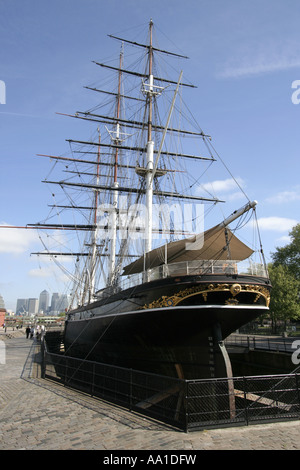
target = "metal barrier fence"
x: 268, y: 343
x: 186, y: 404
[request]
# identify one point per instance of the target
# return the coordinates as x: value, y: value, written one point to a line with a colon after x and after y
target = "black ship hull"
x: 171, y: 327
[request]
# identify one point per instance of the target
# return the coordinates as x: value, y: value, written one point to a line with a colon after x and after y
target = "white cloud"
x: 51, y: 273
x: 222, y: 186
x: 284, y: 240
x: 19, y: 114
x: 258, y: 67
x: 261, y: 58
x: 14, y: 240
x: 285, y: 196
x: 40, y: 272
x: 278, y: 224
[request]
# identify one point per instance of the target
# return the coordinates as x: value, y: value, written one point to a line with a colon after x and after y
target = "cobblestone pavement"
x: 38, y: 414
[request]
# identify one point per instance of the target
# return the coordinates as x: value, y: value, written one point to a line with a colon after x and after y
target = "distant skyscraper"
x: 55, y: 303
x: 44, y: 302
x: 59, y: 302
x: 22, y: 306
x: 63, y: 302
x: 33, y: 306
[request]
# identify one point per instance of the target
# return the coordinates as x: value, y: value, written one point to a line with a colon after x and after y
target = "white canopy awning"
x: 211, y: 245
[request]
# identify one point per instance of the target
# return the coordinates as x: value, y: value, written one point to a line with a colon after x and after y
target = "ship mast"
x: 150, y: 151
x: 94, y: 233
x: 115, y: 193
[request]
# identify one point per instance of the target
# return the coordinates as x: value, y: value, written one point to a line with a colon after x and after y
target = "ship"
x: 152, y: 290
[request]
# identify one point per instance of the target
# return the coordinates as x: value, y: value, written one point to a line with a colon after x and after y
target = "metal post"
x: 185, y: 407
x: 66, y: 371
x: 93, y: 380
x: 245, y: 399
x: 130, y: 390
x: 43, y: 362
x: 298, y: 391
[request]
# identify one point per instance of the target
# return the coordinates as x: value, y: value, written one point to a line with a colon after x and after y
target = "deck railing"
x: 194, y: 268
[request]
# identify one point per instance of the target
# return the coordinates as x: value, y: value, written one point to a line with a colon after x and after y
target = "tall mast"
x: 117, y: 141
x: 94, y: 239
x: 150, y: 152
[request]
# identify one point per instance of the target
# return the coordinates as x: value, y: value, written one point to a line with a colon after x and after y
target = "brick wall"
x: 2, y: 316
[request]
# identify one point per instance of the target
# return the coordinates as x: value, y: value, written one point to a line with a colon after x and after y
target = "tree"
x: 284, y: 303
x: 289, y: 255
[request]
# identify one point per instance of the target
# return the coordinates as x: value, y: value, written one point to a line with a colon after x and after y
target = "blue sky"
x: 244, y: 58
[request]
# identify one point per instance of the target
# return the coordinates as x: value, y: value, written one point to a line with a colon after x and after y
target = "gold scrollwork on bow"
x: 205, y: 290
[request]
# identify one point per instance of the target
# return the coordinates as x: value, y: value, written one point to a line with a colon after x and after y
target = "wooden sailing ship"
x: 137, y: 302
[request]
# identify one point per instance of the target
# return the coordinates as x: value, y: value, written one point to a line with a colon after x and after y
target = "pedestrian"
x: 38, y: 333
x: 27, y: 332
x: 31, y: 332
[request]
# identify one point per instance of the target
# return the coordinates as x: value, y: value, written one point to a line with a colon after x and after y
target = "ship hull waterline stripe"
x: 149, y: 310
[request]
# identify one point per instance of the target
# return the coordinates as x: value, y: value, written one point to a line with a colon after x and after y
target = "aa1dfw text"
x: 169, y: 459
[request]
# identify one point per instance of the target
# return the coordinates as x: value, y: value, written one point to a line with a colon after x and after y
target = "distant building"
x: 54, y: 303
x: 33, y: 306
x: 44, y: 302
x: 2, y: 305
x: 59, y: 303
x: 22, y: 307
x: 64, y: 303
x: 2, y: 311
x: 2, y: 316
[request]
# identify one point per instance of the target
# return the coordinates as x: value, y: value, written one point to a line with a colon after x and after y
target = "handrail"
x: 194, y: 268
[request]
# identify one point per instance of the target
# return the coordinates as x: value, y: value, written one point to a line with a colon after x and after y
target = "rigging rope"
x: 232, y: 176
